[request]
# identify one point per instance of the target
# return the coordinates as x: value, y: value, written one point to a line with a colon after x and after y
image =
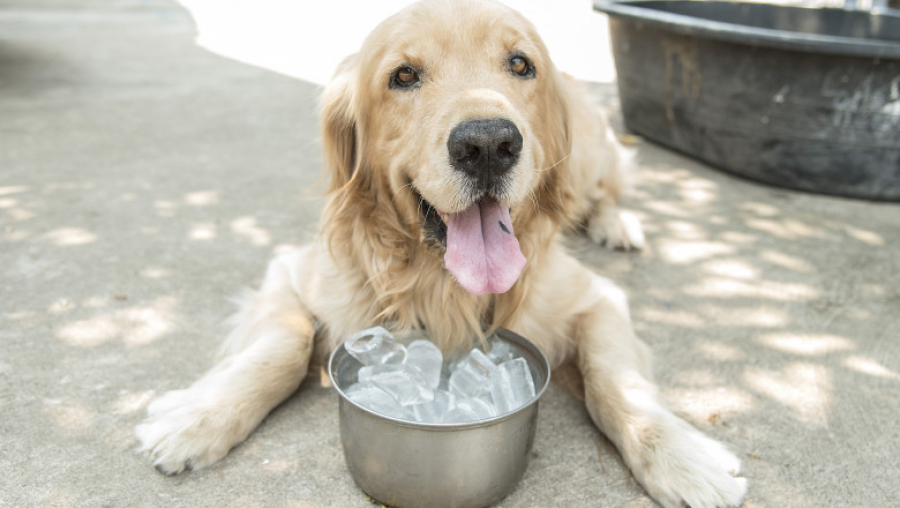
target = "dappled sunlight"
x: 685, y: 252
x: 665, y: 209
x: 806, y: 344
x: 787, y: 229
x: 70, y: 417
x: 721, y: 352
x: 11, y: 207
x: 869, y: 237
x: 752, y: 316
x: 708, y: 404
x: 698, y: 192
x: 13, y: 189
x: 247, y: 228
x: 680, y: 317
x: 760, y: 209
x: 133, y: 402
x: 89, y: 332
x: 134, y: 326
x: 737, y: 238
x: 869, y: 367
x: 685, y: 230
x: 203, y: 231
x: 699, y: 378
x: 202, y: 198
x: 725, y: 288
x: 67, y: 237
x: 165, y: 209
x: 772, y: 303
x: 732, y: 268
x: 783, y: 260
x: 155, y: 272
x: 804, y: 388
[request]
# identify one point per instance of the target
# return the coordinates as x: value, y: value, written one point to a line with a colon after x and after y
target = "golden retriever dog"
x: 457, y: 154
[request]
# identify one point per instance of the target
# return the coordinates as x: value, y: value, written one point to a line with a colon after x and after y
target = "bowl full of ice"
x: 421, y: 427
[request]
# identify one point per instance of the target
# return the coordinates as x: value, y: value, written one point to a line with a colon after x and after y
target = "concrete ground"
x: 144, y: 179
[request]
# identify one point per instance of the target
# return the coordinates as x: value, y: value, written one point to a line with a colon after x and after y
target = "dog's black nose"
x: 484, y: 149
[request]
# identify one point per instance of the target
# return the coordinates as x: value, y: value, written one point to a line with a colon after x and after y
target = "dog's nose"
x: 484, y: 149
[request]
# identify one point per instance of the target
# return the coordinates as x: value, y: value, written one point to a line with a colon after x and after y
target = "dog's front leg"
x: 676, y: 464
x: 265, y: 359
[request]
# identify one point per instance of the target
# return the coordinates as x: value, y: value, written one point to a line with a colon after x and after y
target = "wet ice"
x: 415, y: 382
x: 470, y: 375
x: 427, y: 358
x: 512, y: 386
x: 375, y: 346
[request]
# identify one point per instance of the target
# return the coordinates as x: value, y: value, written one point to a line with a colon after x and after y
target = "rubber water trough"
x: 796, y: 97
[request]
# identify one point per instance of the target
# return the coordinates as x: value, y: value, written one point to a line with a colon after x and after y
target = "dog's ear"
x: 339, y: 125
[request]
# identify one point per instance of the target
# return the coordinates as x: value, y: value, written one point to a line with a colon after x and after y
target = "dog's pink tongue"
x: 482, y: 251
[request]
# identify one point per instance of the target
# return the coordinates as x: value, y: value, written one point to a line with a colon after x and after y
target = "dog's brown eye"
x: 404, y: 77
x: 520, y: 66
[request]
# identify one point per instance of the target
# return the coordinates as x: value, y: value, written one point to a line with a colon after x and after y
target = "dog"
x: 457, y: 155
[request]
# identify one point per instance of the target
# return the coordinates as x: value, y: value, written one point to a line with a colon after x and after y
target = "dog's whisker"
x: 557, y: 163
x: 407, y: 187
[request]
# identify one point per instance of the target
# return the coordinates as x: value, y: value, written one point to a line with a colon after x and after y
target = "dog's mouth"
x: 480, y: 246
x: 433, y: 222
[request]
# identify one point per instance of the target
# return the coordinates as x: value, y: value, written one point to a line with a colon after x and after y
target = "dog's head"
x: 452, y: 121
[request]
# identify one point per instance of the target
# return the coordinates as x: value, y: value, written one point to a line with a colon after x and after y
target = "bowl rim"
x: 504, y: 333
x: 736, y: 33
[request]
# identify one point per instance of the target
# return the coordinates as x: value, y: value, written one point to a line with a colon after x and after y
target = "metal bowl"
x: 405, y: 464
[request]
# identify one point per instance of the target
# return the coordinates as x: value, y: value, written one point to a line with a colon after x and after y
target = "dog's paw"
x: 616, y: 229
x: 684, y: 468
x: 184, y: 431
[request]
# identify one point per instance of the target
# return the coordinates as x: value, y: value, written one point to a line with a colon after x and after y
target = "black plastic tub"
x: 801, y: 98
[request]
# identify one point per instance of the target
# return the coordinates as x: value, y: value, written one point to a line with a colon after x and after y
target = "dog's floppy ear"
x: 339, y: 125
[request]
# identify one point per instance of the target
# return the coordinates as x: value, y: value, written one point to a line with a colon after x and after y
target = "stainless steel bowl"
x: 406, y: 464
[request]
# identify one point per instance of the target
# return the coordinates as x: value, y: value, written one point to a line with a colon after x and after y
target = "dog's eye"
x: 520, y: 66
x: 404, y: 77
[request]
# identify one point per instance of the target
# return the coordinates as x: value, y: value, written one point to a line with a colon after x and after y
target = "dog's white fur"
x: 373, y: 261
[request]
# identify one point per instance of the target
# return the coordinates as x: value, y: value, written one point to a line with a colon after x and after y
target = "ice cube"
x: 501, y: 351
x: 471, y: 376
x: 425, y: 412
x: 482, y: 406
x: 425, y: 356
x: 512, y: 385
x: 366, y: 372
x: 376, y: 399
x: 375, y: 346
x: 435, y: 410
x: 444, y: 383
x: 469, y: 410
x: 406, y: 385
x: 444, y: 400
